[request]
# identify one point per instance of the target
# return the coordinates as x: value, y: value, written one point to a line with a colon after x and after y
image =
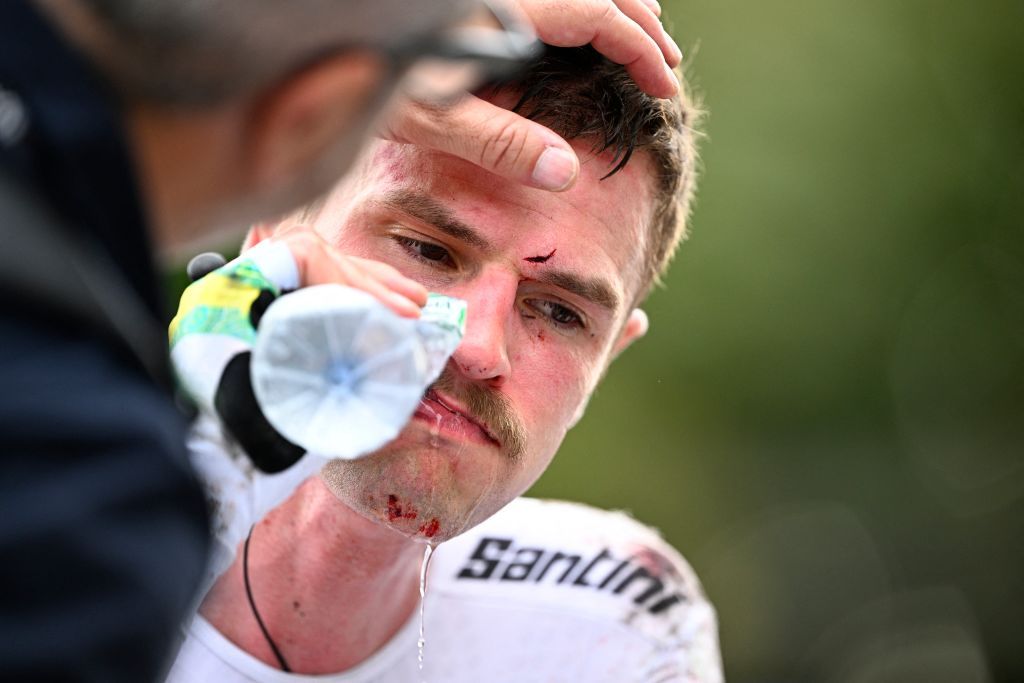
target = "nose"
x: 483, y: 353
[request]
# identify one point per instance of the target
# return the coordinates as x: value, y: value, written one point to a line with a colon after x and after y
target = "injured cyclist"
x: 328, y: 581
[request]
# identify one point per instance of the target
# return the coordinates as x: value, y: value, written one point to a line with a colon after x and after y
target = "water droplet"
x: 435, y: 431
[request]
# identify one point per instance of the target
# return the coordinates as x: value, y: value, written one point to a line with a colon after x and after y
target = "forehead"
x: 598, y: 224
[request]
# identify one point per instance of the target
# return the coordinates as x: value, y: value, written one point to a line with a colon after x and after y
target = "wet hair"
x: 581, y: 95
x: 199, y: 52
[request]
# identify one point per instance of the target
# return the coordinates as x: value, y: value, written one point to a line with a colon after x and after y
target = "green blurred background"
x: 827, y: 417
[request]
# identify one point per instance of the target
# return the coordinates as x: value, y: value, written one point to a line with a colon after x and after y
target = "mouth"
x: 448, y: 418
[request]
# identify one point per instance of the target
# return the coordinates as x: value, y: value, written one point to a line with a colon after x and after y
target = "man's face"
x: 549, y: 279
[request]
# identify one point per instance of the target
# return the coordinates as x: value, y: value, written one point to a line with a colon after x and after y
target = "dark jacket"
x: 103, y: 531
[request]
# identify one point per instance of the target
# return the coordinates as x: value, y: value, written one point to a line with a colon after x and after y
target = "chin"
x: 430, y: 495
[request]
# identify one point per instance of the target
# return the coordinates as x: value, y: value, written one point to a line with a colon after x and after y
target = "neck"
x: 331, y: 586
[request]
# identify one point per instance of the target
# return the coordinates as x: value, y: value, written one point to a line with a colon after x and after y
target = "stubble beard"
x: 421, y: 491
x: 432, y: 488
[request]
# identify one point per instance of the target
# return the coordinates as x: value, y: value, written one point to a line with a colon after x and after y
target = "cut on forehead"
x: 423, y: 183
x: 582, y: 95
x: 593, y: 102
x: 434, y: 213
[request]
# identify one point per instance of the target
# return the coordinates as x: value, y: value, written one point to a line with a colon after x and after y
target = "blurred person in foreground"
x: 128, y: 128
x: 327, y: 583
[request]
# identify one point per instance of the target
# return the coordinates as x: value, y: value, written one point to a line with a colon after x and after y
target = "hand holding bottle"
x: 216, y: 326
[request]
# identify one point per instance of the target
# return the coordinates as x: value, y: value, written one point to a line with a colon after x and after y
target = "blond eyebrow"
x: 435, y: 214
x: 592, y: 289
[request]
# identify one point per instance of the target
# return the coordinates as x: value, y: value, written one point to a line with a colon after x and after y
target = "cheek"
x: 554, y: 383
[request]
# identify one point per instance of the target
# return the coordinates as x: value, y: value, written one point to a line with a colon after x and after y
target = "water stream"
x: 423, y: 596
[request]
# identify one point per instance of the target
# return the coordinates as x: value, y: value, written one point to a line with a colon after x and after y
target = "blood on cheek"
x: 540, y: 333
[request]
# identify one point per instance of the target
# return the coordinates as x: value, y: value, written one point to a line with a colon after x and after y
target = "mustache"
x: 489, y: 407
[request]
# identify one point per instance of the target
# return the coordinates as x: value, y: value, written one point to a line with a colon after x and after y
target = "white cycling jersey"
x: 543, y: 591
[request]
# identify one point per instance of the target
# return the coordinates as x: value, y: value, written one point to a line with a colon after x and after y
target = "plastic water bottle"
x: 339, y: 374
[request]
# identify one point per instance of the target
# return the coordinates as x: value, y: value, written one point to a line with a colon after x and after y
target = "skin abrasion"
x: 397, y: 511
x: 430, y: 529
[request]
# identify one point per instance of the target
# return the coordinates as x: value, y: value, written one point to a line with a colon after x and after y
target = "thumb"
x: 496, y: 139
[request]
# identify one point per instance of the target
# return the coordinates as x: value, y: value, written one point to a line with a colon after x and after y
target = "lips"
x: 445, y: 415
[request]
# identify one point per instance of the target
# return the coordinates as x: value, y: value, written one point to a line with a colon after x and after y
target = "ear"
x: 635, y: 327
x: 315, y: 112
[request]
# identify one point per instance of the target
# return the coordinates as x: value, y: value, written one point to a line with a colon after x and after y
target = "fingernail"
x: 555, y: 170
x: 673, y: 77
x: 655, y: 7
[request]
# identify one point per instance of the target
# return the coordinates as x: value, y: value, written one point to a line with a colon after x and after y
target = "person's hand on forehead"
x: 627, y: 32
x: 438, y: 113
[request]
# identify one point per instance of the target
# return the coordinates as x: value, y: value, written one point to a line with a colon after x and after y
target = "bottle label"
x: 445, y: 312
x: 441, y: 328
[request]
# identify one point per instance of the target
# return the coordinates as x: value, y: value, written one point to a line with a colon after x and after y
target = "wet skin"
x: 540, y: 331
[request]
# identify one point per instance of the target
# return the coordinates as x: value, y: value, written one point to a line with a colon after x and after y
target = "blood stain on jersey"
x: 655, y: 563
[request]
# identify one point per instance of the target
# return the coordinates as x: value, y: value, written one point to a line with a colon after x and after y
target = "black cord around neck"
x: 252, y: 604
